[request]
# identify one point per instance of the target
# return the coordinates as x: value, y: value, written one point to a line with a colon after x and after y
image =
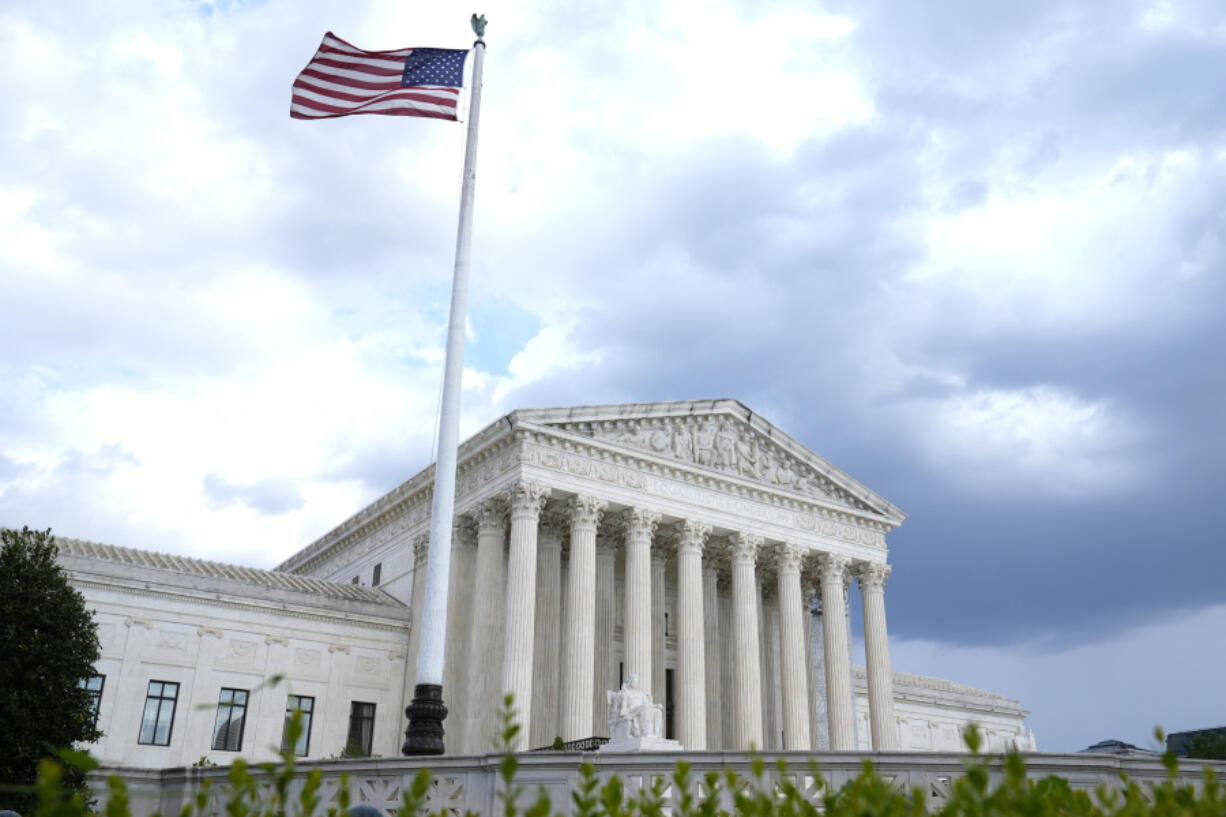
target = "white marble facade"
x: 693, y: 544
x: 689, y: 543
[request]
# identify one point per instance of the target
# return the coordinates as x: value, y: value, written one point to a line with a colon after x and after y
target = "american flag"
x: 341, y: 80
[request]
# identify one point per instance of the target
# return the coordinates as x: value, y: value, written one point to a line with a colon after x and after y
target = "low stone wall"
x: 464, y: 784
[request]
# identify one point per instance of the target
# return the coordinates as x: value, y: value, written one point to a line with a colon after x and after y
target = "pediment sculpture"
x: 720, y: 443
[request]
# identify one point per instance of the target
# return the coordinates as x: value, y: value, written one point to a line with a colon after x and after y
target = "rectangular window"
x: 231, y: 718
x: 159, y: 715
x: 377, y: 575
x: 356, y: 580
x: 361, y: 727
x: 93, y: 685
x: 305, y: 706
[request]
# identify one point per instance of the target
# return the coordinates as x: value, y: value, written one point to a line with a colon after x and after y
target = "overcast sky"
x: 971, y: 252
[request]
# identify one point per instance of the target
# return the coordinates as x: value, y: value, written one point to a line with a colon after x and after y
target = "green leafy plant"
x: 49, y: 644
x: 988, y: 788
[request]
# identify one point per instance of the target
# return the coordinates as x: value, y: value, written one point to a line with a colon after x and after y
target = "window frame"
x: 308, y: 717
x: 228, y: 707
x: 358, y: 718
x: 161, y: 698
x: 95, y: 695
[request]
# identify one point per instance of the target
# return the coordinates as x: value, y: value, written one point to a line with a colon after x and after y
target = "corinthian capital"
x: 585, y: 511
x: 833, y: 567
x: 421, y: 548
x: 491, y: 515
x: 872, y: 575
x: 640, y: 523
x: 788, y: 557
x: 744, y: 548
x: 527, y: 498
x: 693, y: 535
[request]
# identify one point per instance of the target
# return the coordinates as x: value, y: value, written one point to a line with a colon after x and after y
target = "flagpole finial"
x: 478, y: 22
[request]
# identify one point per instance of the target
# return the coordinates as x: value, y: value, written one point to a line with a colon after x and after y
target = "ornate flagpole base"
x: 424, y: 736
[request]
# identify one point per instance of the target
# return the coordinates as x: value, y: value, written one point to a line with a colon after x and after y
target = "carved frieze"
x: 711, y: 492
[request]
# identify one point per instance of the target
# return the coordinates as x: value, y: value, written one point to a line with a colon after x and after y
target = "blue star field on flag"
x: 434, y: 66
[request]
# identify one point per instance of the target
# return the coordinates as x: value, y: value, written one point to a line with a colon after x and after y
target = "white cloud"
x: 1039, y: 440
x: 1121, y: 687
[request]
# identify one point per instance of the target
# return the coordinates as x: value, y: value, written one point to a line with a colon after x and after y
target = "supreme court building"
x: 693, y: 544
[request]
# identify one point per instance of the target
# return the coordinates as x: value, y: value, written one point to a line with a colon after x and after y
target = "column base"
x: 424, y: 735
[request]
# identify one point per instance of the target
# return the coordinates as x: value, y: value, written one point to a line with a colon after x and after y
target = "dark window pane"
x: 231, y: 718
x: 159, y: 715
x: 305, y: 706
x: 93, y: 685
x: 361, y: 726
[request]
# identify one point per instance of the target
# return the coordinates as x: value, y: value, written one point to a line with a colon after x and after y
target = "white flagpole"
x: 424, y: 735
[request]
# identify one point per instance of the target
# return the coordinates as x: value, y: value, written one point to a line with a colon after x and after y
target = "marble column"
x: 691, y: 646
x: 765, y: 655
x: 711, y: 656
x: 485, y: 642
x: 839, y: 706
x: 545, y: 661
x: 792, y: 648
x: 727, y: 683
x: 421, y: 558
x: 459, y: 625
x: 578, y: 647
x: 872, y: 576
x: 526, y: 500
x: 640, y: 525
x: 747, y: 672
x: 658, y: 612
x: 604, y: 658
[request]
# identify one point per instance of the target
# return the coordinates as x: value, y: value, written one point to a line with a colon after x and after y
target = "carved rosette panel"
x: 527, y: 499
x: 586, y: 511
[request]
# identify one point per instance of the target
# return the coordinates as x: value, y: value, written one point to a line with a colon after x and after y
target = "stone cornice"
x: 169, y: 593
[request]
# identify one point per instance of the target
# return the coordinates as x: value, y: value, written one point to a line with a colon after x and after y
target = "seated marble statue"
x: 632, y: 714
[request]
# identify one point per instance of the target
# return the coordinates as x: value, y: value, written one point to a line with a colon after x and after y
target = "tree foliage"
x: 48, y: 644
x: 1206, y: 745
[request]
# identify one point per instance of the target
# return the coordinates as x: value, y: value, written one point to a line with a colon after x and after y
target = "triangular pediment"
x: 722, y: 436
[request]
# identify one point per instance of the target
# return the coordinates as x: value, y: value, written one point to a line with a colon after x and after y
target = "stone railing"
x: 463, y: 784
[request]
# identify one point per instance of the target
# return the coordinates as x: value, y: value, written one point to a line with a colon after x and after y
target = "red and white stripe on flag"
x: 341, y: 80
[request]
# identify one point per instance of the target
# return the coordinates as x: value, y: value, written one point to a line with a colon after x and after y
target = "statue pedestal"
x: 641, y: 745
